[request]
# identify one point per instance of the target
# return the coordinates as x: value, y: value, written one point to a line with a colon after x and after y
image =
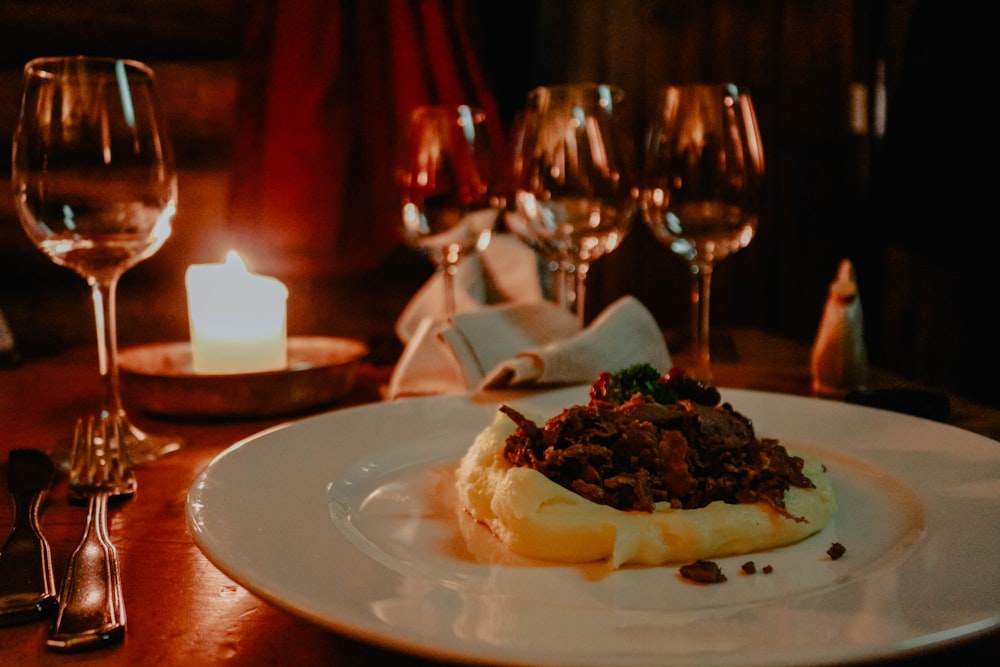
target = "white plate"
x: 348, y: 519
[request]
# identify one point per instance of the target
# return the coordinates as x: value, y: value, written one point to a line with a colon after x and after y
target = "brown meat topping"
x: 703, y: 571
x: 836, y: 550
x: 633, y: 455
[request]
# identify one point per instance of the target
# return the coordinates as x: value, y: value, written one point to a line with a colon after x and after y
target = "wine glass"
x: 448, y: 187
x: 702, y: 173
x: 572, y: 180
x: 95, y: 189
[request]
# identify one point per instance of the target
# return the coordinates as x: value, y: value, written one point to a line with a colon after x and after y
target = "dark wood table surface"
x: 182, y: 610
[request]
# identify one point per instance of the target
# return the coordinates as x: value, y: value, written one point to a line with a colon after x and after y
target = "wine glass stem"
x: 448, y: 272
x: 571, y: 288
x: 563, y: 288
x: 580, y: 292
x: 103, y: 296
x: 701, y: 291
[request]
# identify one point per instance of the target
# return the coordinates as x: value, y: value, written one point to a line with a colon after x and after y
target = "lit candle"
x: 237, y: 318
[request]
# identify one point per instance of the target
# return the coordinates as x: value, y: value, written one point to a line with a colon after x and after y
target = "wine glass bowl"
x: 701, y: 181
x: 572, y: 180
x: 95, y: 188
x: 449, y: 195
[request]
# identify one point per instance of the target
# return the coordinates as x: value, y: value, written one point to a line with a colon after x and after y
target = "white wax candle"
x: 238, y: 319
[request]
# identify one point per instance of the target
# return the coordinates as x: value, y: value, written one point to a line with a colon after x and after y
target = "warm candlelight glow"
x: 237, y: 318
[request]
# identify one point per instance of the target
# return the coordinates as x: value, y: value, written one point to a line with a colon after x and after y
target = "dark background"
x: 875, y: 116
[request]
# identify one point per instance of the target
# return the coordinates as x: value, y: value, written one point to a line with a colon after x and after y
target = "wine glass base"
x: 722, y: 345
x: 723, y: 351
x: 142, y: 447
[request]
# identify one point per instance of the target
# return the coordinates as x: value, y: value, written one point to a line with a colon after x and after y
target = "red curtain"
x: 325, y: 88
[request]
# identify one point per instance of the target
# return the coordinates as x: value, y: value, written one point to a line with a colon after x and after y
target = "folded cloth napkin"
x: 506, y: 271
x: 526, y: 344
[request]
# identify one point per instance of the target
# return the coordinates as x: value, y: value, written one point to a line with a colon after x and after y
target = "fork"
x: 91, y: 605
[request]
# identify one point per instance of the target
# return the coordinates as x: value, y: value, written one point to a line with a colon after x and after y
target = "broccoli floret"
x: 675, y: 385
x: 621, y: 385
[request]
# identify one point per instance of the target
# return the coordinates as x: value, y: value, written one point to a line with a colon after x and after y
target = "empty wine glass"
x: 702, y: 173
x: 572, y: 180
x: 95, y: 189
x: 447, y: 179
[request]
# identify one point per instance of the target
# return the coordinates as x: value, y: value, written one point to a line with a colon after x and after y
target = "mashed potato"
x: 538, y: 518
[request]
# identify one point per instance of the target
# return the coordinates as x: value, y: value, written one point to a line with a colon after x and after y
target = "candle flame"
x: 235, y: 263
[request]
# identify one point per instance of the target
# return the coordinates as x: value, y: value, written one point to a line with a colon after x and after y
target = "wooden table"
x: 181, y: 609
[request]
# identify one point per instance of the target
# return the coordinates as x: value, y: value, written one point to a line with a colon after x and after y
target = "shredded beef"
x: 633, y: 455
x: 703, y: 571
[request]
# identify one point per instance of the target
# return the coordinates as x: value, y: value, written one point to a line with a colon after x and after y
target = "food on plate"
x: 653, y: 469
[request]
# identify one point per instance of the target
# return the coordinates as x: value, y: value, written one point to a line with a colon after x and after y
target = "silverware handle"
x: 27, y: 585
x: 91, y: 606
